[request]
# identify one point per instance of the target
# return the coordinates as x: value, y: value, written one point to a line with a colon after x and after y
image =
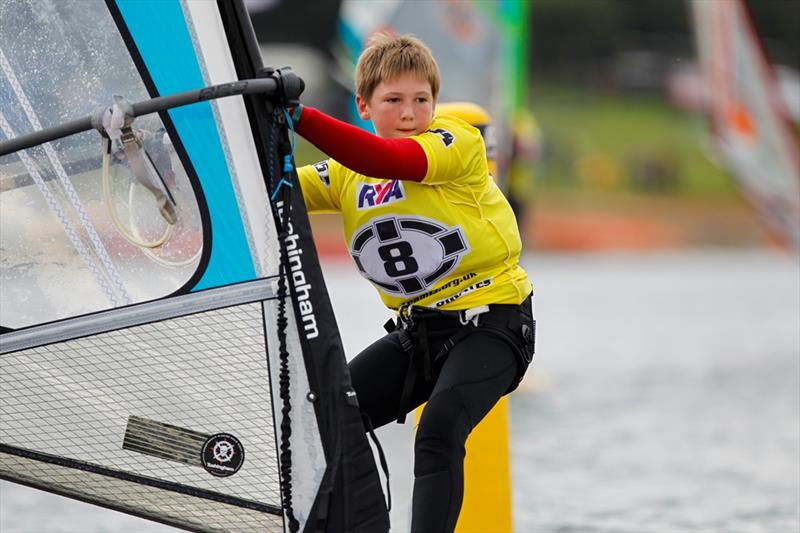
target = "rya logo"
x: 372, y: 194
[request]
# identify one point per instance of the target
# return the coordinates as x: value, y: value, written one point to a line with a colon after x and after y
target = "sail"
x: 167, y: 346
x: 751, y: 127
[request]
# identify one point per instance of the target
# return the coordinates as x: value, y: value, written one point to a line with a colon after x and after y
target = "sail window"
x: 79, y: 236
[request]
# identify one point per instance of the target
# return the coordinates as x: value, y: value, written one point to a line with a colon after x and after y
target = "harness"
x: 514, y: 324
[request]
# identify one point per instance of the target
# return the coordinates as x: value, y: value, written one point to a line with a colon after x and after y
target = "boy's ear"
x: 363, y: 112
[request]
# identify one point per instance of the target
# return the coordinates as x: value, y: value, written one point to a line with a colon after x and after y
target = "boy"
x: 426, y: 224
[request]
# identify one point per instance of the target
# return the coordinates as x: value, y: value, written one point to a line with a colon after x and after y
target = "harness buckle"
x: 406, y: 342
x: 472, y: 314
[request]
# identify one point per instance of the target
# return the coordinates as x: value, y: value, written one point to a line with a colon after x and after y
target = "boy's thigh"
x: 477, y: 372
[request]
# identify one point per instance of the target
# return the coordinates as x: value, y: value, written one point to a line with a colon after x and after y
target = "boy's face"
x: 400, y: 107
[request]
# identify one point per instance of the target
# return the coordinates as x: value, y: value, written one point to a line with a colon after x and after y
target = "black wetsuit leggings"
x: 463, y: 387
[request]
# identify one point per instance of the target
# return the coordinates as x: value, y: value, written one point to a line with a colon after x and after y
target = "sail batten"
x: 126, y: 317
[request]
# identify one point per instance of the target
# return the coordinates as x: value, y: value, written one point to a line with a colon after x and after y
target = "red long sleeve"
x: 362, y: 151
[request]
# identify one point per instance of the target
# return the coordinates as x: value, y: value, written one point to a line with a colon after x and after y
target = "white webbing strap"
x: 472, y: 314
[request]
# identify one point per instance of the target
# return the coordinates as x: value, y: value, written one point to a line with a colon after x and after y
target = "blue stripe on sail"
x: 159, y: 29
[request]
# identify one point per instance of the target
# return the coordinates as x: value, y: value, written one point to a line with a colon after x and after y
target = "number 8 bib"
x: 406, y: 255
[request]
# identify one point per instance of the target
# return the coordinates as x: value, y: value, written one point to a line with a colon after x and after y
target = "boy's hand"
x: 290, y: 86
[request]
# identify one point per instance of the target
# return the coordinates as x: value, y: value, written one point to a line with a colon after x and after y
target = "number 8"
x: 398, y: 259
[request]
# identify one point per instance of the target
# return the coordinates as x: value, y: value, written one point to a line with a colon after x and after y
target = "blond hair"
x: 388, y: 56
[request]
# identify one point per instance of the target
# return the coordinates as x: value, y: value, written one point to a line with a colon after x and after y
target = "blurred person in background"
x: 526, y: 141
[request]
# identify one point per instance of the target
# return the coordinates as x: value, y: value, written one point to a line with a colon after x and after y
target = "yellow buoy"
x: 487, y: 475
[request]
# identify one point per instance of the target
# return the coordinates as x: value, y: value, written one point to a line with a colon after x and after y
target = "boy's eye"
x: 422, y: 99
x: 393, y: 99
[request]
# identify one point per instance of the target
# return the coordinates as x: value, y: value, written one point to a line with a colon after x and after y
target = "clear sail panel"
x: 70, y: 223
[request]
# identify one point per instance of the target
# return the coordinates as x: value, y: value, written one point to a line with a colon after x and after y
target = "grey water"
x: 664, y: 397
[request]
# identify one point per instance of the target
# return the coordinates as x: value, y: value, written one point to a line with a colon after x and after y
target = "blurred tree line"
x: 571, y: 40
x: 597, y: 73
x: 580, y: 40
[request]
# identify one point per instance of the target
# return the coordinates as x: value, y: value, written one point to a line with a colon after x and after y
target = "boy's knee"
x: 442, y: 434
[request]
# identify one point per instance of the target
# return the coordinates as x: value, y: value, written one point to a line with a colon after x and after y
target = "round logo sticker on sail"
x: 222, y: 455
x: 406, y: 255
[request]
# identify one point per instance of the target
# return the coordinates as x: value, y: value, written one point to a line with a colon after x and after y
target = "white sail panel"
x: 210, y: 39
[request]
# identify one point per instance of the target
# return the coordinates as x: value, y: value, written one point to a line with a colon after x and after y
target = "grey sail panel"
x: 205, y: 372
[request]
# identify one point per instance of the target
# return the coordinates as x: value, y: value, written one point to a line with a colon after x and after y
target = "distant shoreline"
x: 567, y: 220
x: 577, y: 221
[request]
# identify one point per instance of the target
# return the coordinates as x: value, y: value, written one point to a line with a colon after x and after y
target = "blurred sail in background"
x: 751, y: 124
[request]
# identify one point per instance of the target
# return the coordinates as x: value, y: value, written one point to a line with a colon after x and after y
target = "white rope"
x: 150, y: 253
x: 132, y: 238
x: 70, y: 191
x: 30, y: 165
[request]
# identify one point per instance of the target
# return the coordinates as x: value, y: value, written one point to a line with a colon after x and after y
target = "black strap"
x: 411, y: 375
x: 401, y: 330
x: 422, y: 336
x: 277, y: 131
x: 459, y: 336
